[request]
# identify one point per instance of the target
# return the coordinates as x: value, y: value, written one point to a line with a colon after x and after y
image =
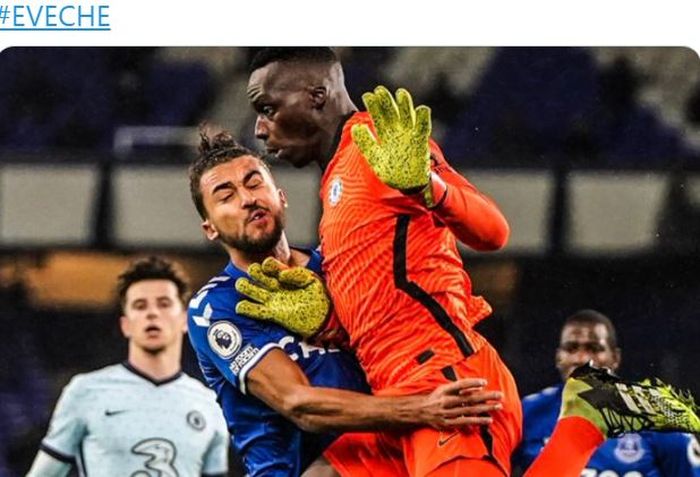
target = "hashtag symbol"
x: 4, y: 13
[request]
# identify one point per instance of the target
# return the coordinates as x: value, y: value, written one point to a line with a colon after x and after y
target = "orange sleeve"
x: 473, y: 217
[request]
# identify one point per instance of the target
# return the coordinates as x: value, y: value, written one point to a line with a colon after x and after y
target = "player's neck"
x: 156, y: 366
x: 332, y: 130
x: 281, y: 251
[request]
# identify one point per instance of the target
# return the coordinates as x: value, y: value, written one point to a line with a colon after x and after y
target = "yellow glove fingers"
x: 376, y: 113
x: 272, y: 267
x: 423, y: 123
x: 297, y: 277
x: 363, y: 138
x: 256, y: 273
x: 389, y: 112
x: 252, y: 310
x: 254, y: 292
x: 407, y: 114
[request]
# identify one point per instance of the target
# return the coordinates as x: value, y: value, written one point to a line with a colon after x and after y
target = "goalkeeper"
x: 393, y: 210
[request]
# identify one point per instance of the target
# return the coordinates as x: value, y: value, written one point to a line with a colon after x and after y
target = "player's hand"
x: 400, y: 154
x: 294, y: 298
x: 462, y: 403
x: 333, y: 335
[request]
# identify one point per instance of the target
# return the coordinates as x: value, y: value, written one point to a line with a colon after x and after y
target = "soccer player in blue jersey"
x: 590, y: 335
x: 142, y: 417
x: 286, y: 400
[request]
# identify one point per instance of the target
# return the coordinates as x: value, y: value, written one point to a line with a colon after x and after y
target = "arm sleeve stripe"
x: 251, y: 364
x: 57, y: 455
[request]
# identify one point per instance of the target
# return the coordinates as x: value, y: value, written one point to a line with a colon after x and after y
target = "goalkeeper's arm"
x: 474, y: 218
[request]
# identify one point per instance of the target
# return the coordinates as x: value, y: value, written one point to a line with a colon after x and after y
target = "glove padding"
x: 400, y: 155
x: 294, y: 298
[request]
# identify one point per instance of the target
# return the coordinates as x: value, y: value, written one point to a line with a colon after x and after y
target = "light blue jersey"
x: 644, y: 454
x: 117, y: 422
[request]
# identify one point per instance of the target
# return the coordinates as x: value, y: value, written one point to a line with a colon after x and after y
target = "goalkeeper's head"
x: 300, y: 99
x: 236, y: 196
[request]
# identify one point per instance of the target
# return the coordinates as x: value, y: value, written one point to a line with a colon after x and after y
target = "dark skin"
x: 299, y: 109
x: 582, y: 342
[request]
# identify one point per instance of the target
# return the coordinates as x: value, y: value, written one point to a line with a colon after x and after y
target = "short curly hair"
x: 213, y: 151
x: 153, y: 268
x: 290, y: 54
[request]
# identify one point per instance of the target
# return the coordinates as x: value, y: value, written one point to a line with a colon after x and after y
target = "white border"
x: 376, y: 23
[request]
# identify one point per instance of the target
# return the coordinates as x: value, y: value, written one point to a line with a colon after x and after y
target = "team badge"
x: 196, y: 420
x: 336, y: 191
x: 629, y: 448
x: 694, y: 451
x: 224, y: 338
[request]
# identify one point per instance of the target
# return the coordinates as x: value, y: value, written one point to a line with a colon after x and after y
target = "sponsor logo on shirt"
x: 242, y: 359
x: 224, y: 339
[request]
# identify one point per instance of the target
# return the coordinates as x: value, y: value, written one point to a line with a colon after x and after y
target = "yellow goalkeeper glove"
x: 400, y: 155
x: 294, y: 298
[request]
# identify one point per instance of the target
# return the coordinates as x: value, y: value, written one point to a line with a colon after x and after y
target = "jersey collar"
x: 156, y: 382
x: 336, y: 139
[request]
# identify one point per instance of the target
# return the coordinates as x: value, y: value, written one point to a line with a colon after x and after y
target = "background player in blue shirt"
x: 589, y: 335
x: 284, y: 399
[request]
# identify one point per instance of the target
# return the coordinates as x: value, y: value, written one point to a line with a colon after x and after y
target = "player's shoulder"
x: 218, y: 293
x: 196, y: 386
x: 671, y: 440
x: 85, y: 382
x: 222, y: 283
x: 543, y: 399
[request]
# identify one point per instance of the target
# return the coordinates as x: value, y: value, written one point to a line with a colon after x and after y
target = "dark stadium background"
x: 593, y: 153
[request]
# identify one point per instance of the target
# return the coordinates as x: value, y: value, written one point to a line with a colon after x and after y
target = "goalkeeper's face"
x: 245, y: 209
x: 288, y: 113
x: 154, y: 318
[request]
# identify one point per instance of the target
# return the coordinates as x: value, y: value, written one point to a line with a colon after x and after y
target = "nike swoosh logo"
x: 442, y: 441
x: 112, y: 413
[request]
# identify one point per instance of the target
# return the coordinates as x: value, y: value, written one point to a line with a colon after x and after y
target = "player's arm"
x: 402, y: 156
x: 216, y: 458
x: 474, y: 218
x: 45, y: 465
x: 282, y: 385
x: 59, y: 447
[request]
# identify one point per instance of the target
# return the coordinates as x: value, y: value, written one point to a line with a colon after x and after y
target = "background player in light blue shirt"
x: 285, y: 399
x: 590, y: 335
x: 143, y: 417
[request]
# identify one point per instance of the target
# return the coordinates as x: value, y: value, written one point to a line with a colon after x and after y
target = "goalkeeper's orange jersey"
x: 393, y: 268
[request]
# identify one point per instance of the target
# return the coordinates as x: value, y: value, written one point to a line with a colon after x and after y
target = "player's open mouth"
x: 152, y: 330
x: 257, y: 215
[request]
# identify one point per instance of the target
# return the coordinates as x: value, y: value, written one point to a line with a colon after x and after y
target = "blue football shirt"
x: 228, y: 346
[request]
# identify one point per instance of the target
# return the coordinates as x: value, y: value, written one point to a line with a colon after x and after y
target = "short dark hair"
x: 592, y: 317
x: 213, y: 151
x: 153, y: 268
x: 319, y: 55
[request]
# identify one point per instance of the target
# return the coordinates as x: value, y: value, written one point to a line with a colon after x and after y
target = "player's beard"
x: 260, y: 245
